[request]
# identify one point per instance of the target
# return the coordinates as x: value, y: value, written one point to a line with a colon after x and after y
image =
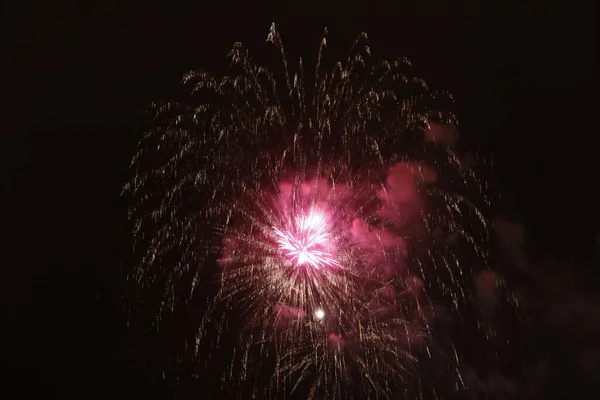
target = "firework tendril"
x: 314, y: 240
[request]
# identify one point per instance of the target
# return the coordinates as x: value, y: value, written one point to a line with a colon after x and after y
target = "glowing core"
x: 302, y: 245
x: 319, y: 314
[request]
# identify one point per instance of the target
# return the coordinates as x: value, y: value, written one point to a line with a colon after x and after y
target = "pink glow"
x: 336, y: 341
x: 302, y: 245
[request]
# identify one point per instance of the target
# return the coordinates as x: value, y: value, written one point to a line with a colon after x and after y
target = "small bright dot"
x: 319, y: 314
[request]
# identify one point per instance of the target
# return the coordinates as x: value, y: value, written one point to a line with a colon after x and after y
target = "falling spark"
x: 319, y: 314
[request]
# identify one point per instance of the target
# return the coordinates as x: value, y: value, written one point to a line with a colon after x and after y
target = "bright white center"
x: 319, y: 314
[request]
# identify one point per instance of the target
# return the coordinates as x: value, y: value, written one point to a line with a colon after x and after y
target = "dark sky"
x: 80, y: 75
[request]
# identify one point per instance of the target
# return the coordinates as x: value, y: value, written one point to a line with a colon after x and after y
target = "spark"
x: 319, y: 314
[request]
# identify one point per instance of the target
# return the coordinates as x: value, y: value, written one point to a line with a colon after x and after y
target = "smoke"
x: 559, y: 322
x: 441, y: 133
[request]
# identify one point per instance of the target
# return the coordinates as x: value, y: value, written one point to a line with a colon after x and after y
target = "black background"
x: 80, y: 76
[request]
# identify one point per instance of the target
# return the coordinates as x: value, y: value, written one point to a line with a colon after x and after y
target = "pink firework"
x: 303, y: 245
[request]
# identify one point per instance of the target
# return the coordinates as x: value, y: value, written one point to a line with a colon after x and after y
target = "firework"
x: 302, y: 245
x: 335, y: 216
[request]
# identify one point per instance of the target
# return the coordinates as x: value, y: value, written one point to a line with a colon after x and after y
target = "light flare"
x: 302, y: 246
x: 319, y: 314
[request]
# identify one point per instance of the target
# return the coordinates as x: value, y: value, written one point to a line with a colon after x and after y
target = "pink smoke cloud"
x: 285, y: 316
x: 388, y: 251
x: 487, y: 287
x: 401, y: 194
x: 440, y: 133
x: 320, y: 187
x: 288, y: 312
x: 286, y: 189
x: 512, y: 234
x: 376, y: 238
x: 336, y: 340
x: 387, y: 293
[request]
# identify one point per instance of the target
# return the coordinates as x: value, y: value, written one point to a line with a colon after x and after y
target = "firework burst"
x: 301, y: 246
x: 336, y: 219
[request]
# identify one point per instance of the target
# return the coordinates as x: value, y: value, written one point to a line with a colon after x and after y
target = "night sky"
x: 79, y: 77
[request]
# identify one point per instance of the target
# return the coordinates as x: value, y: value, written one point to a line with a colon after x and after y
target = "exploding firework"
x: 302, y: 246
x: 335, y: 216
